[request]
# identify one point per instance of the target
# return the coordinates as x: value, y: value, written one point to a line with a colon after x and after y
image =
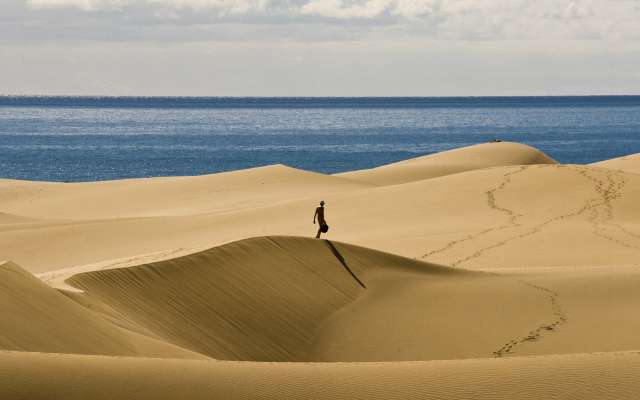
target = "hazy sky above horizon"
x: 319, y: 47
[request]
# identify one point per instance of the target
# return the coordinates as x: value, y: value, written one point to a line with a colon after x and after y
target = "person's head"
x: 322, y: 203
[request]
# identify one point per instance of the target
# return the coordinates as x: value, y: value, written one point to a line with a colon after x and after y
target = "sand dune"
x: 556, y: 214
x: 36, y: 317
x: 491, y: 268
x: 258, y: 299
x: 77, y: 224
x: 301, y: 299
x: 172, y: 196
x: 630, y: 163
x: 452, y: 162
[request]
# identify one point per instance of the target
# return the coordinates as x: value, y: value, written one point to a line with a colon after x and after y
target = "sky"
x: 320, y: 47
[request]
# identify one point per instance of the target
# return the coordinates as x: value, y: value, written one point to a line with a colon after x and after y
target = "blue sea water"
x: 105, y: 138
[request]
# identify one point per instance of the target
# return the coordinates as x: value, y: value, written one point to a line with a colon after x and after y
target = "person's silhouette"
x: 320, y: 214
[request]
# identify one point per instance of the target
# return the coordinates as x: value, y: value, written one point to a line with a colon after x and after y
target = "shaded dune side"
x: 452, y: 162
x: 36, y: 317
x: 583, y: 376
x: 107, y: 313
x: 258, y: 299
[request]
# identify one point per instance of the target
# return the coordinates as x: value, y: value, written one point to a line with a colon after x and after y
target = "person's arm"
x: 314, y: 216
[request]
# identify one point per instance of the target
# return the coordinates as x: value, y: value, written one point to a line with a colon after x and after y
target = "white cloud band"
x: 453, y: 19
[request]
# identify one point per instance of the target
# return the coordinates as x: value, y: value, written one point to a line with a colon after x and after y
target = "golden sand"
x: 489, y: 271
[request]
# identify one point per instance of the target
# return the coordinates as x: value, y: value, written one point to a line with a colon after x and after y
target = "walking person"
x: 320, y: 214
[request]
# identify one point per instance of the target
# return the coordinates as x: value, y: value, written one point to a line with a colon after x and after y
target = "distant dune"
x: 484, y: 272
x: 172, y: 196
x: 630, y: 163
x: 452, y: 162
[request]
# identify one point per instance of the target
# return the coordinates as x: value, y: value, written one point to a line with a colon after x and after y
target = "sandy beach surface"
x: 490, y: 271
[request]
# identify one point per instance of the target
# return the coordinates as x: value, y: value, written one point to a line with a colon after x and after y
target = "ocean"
x: 83, y: 139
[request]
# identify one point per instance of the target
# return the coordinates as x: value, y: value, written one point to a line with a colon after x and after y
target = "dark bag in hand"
x: 324, y: 227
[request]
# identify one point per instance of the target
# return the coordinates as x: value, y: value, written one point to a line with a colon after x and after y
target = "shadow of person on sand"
x: 341, y: 259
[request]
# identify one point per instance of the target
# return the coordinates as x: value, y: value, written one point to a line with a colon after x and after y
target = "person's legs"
x: 320, y: 223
